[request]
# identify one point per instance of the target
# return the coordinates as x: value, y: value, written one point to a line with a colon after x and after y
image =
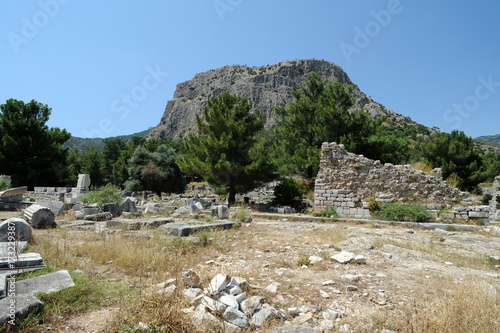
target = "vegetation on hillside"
x: 232, y: 151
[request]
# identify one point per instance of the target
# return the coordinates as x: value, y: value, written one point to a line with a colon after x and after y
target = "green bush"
x: 392, y: 211
x: 3, y: 184
x: 105, y: 195
x: 486, y: 199
x: 288, y: 193
x: 329, y: 212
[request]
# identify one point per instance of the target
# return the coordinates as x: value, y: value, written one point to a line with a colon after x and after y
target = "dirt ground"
x: 403, y: 267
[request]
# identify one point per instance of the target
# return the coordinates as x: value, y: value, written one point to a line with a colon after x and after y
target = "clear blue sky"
x: 437, y: 62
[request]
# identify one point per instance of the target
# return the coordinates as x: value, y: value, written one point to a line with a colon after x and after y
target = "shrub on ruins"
x: 227, y: 152
x: 155, y: 171
x: 107, y: 194
x: 329, y: 212
x: 288, y: 193
x: 28, y: 147
x: 394, y: 211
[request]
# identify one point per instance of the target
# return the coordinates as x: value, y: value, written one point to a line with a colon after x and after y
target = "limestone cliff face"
x: 266, y: 86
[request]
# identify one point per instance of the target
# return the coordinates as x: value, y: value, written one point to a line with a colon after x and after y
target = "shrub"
x: 486, y: 199
x: 453, y: 180
x: 392, y: 211
x: 105, y: 195
x: 3, y: 184
x: 303, y: 261
x: 329, y: 212
x: 373, y: 206
x: 288, y: 193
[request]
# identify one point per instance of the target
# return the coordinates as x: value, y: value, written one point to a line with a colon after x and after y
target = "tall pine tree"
x: 28, y: 147
x: 227, y: 151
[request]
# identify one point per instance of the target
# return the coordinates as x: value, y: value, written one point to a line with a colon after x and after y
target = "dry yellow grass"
x: 445, y: 307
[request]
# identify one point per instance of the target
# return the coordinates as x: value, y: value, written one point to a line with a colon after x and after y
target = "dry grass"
x: 445, y: 307
x: 422, y: 166
x: 439, y: 253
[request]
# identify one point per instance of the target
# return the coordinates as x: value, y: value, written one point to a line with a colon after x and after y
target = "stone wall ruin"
x: 349, y: 182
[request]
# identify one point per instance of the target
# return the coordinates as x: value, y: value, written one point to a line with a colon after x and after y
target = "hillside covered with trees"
x: 232, y: 149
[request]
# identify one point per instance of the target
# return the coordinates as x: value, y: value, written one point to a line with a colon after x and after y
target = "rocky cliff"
x: 266, y: 86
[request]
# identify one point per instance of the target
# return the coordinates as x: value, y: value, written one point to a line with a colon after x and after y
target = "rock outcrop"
x: 266, y: 86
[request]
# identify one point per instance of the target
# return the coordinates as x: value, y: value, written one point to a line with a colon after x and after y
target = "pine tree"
x: 227, y: 151
x: 319, y: 113
x: 28, y: 147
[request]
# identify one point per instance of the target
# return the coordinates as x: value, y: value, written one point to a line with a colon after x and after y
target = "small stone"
x: 263, y: 315
x: 251, y: 304
x: 229, y: 300
x: 273, y: 287
x: 213, y: 304
x: 330, y: 315
x: 191, y: 293
x: 167, y: 291
x: 360, y: 259
x: 233, y: 288
x: 235, y: 317
x: 190, y: 278
x: 350, y: 277
x: 352, y: 288
x: 218, y: 283
x: 410, y: 231
x: 303, y: 318
x: 241, y: 297
x: 324, y: 294
x: 315, y: 260
x: 343, y: 257
x: 327, y: 325
x: 328, y: 283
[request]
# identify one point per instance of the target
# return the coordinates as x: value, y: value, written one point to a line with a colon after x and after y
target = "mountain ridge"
x: 266, y: 86
x: 82, y: 144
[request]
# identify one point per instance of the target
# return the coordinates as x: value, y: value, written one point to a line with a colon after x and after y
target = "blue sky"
x: 108, y: 68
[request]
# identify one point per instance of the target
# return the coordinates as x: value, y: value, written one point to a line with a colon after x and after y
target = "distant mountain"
x: 266, y: 86
x: 490, y: 138
x: 489, y: 143
x: 81, y: 144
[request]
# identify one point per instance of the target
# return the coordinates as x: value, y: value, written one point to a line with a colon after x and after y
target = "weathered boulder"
x: 15, y: 229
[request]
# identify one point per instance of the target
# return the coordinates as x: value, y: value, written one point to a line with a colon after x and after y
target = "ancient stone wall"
x: 349, y: 182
